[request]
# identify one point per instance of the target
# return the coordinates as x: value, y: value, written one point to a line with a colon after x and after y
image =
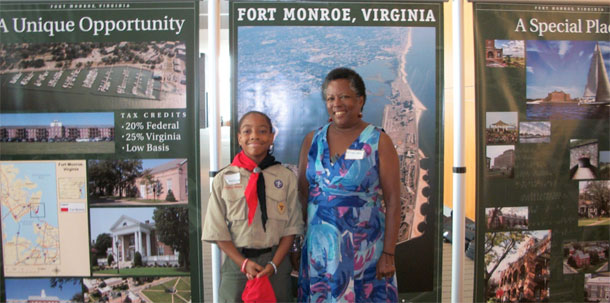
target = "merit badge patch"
x: 278, y: 183
x: 281, y: 207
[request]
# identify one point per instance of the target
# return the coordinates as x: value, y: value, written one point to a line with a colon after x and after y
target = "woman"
x: 348, y: 253
x: 253, y: 214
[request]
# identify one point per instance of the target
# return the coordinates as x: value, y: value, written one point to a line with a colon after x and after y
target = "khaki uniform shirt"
x: 227, y: 214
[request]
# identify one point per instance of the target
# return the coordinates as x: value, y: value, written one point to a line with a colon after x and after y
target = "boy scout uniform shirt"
x: 227, y: 214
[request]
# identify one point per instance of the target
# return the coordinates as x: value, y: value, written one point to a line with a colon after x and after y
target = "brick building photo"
x: 518, y: 266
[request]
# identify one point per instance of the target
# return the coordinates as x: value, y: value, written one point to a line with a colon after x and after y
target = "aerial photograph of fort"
x: 398, y: 101
x: 93, y: 75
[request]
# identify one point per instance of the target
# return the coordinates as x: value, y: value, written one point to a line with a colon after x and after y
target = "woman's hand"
x: 385, y: 266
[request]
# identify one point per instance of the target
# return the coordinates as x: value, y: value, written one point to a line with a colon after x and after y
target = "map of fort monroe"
x: 43, y: 215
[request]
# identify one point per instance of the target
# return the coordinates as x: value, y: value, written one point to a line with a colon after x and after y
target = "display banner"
x: 281, y: 53
x: 99, y: 151
x: 543, y: 152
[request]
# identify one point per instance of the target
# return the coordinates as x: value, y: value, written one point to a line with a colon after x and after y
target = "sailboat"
x: 597, y: 90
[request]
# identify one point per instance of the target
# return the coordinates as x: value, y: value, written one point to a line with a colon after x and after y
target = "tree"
x: 572, y: 262
x: 128, y: 170
x: 110, y: 259
x: 102, y: 243
x: 149, y: 180
x: 170, y: 196
x: 498, y: 246
x: 173, y: 230
x: 157, y: 189
x: 594, y: 257
x: 137, y: 259
x: 78, y: 297
x: 599, y: 193
x: 59, y: 282
x: 113, y: 176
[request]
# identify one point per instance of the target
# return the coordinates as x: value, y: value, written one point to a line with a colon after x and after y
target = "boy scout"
x: 253, y: 214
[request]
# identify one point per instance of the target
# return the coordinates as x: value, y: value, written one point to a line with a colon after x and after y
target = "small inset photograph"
x: 585, y: 257
x: 93, y: 75
x: 138, y: 289
x: 535, y: 132
x: 504, y: 53
x: 44, y: 290
x: 506, y: 218
x: 140, y: 241
x: 138, y: 182
x: 594, y: 203
x: 514, y: 259
x: 583, y: 159
x: 501, y: 127
x: 567, y: 80
x: 57, y: 133
x: 500, y: 161
x: 604, y: 164
x: 597, y: 287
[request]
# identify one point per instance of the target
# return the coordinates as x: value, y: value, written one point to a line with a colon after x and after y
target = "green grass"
x: 111, y: 199
x: 157, y: 293
x: 169, y: 284
x: 32, y: 148
x: 186, y: 295
x: 158, y: 296
x: 594, y: 222
x: 142, y: 271
x: 184, y: 284
x: 589, y: 268
x: 158, y: 287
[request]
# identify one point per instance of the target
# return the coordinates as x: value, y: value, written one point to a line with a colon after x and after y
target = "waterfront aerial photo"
x: 535, y: 132
x: 93, y: 75
x: 280, y: 71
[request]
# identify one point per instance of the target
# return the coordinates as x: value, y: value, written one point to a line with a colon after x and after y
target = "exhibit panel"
x: 281, y: 53
x: 99, y: 151
x: 543, y: 152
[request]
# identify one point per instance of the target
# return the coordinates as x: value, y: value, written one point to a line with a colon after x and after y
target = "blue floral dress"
x: 345, y: 225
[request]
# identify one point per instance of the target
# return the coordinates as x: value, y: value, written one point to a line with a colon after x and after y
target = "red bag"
x: 258, y: 290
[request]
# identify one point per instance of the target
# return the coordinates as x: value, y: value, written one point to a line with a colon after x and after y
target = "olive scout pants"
x: 233, y: 281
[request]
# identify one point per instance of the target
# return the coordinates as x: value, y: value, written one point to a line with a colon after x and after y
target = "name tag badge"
x: 354, y: 154
x: 232, y: 179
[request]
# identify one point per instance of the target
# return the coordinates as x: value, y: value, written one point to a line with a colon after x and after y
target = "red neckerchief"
x: 255, y: 190
x: 241, y: 160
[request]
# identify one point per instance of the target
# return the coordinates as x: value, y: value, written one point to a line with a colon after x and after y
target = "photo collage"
x: 539, y: 148
x: 95, y: 176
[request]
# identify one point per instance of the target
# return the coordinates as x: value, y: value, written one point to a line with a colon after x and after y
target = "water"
x: 535, y: 140
x: 567, y: 111
x: 292, y: 96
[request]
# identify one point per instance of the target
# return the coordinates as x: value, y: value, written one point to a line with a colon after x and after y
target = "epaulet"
x: 218, y: 172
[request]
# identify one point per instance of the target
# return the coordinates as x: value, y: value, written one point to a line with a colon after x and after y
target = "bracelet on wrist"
x: 274, y: 267
x: 243, y: 265
x: 387, y: 253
